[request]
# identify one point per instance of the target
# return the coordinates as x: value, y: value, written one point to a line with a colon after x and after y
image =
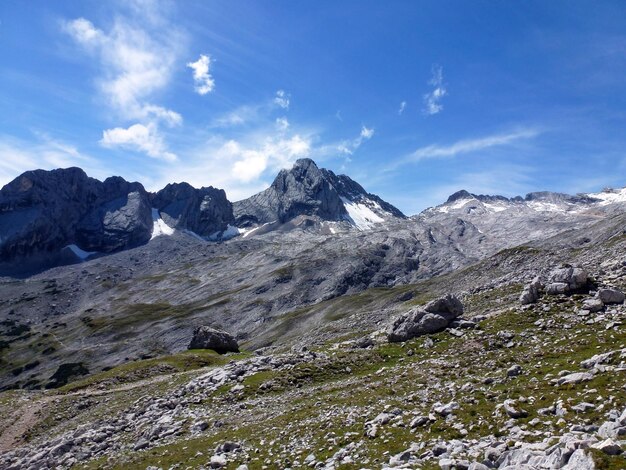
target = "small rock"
x: 574, y: 378
x: 514, y: 371
x: 609, y: 447
x: 510, y: 407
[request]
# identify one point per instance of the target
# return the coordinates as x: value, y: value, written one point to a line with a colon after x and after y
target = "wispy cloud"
x: 239, y: 116
x: 432, y: 100
x: 348, y: 147
x: 402, y: 107
x: 203, y: 80
x: 465, y: 146
x: 282, y: 99
x: 134, y: 63
x: 282, y: 124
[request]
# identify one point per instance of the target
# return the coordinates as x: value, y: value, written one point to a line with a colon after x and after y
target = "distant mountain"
x: 306, y: 190
x: 542, y: 201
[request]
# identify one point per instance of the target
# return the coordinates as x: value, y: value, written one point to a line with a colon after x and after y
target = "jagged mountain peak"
x: 307, y: 190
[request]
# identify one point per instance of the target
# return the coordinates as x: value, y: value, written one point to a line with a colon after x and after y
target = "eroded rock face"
x: 204, y: 211
x: 431, y: 318
x: 67, y: 372
x: 205, y: 337
x: 121, y: 223
x: 43, y: 211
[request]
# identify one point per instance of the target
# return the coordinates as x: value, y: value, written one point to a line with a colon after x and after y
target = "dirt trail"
x: 28, y: 417
x: 31, y: 413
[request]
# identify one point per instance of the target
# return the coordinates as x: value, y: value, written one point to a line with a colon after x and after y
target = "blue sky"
x: 414, y: 100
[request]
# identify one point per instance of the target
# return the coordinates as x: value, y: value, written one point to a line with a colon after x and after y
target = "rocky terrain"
x: 486, y: 332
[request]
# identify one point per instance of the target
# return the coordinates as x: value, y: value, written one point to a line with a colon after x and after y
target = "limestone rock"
x: 567, y: 279
x: 433, y: 317
x: 205, y: 337
x: 611, y: 296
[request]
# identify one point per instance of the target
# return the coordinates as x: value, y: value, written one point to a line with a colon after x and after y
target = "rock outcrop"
x: 43, y: 211
x: 431, y: 318
x: 204, y: 211
x: 205, y: 337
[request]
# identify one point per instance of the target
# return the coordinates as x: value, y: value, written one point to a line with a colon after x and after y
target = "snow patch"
x: 615, y: 196
x: 460, y: 203
x: 80, y: 253
x: 545, y: 207
x: 494, y: 207
x: 361, y: 215
x: 248, y: 231
x: 159, y: 227
x: 230, y: 232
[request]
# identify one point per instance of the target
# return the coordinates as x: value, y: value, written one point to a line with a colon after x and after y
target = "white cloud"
x: 135, y: 64
x: 275, y: 153
x: 282, y: 124
x: 464, y: 146
x: 203, y: 80
x: 83, y: 31
x: 242, y: 166
x: 345, y: 148
x: 432, y: 100
x: 239, y: 116
x: 137, y: 56
x: 282, y: 99
x: 366, y: 133
x: 402, y: 107
x: 470, y: 145
x: 140, y: 138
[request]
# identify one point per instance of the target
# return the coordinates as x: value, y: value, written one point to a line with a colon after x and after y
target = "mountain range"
x: 50, y: 218
x: 349, y: 335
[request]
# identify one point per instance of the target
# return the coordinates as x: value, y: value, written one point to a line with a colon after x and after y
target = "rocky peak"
x: 307, y: 190
x: 459, y: 195
x: 204, y: 211
x: 41, y: 212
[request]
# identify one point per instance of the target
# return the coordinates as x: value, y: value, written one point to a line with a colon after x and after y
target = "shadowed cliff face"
x: 43, y: 211
x: 204, y: 211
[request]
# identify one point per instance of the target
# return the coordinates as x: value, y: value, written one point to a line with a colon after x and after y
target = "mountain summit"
x: 308, y: 190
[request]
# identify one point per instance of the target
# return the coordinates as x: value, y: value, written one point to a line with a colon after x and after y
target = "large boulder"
x: 567, y: 279
x: 205, y: 337
x: 431, y: 318
x: 611, y: 296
